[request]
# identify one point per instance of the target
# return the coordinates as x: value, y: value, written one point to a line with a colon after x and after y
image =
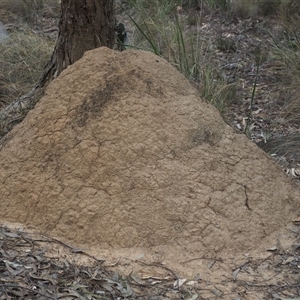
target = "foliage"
x: 163, y: 31
x: 287, y: 51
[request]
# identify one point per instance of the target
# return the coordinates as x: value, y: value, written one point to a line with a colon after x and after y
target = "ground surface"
x: 132, y: 163
x: 273, y: 276
x: 36, y: 266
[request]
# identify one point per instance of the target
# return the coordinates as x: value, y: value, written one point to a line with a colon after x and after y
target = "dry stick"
x: 158, y: 265
x: 135, y: 282
x: 29, y: 241
x: 202, y: 257
x: 73, y: 250
x: 163, y: 267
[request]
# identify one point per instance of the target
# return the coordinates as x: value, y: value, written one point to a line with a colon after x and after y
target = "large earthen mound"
x: 121, y: 152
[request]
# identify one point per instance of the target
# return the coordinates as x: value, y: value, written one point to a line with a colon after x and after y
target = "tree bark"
x: 84, y: 25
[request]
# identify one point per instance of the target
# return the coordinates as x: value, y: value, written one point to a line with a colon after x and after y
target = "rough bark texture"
x: 84, y: 25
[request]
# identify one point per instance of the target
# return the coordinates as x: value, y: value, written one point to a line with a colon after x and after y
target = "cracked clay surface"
x: 122, y: 153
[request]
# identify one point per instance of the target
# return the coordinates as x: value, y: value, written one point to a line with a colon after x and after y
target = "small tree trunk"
x: 84, y: 25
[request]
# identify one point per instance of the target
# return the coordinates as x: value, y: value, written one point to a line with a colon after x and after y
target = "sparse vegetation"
x: 287, y: 51
x: 22, y: 59
x: 165, y: 32
x: 24, y: 55
x: 174, y: 30
x: 167, y: 28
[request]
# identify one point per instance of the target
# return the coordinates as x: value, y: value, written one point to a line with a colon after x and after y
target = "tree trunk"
x: 84, y: 25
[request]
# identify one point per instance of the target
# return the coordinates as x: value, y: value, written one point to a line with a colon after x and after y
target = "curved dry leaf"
x: 235, y: 273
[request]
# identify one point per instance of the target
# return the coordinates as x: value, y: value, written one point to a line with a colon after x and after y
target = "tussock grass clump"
x: 286, y: 52
x: 165, y: 31
x: 22, y: 59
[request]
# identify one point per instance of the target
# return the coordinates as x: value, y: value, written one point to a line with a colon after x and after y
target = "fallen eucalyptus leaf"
x: 11, y: 234
x: 235, y: 273
x: 179, y: 282
x: 194, y: 297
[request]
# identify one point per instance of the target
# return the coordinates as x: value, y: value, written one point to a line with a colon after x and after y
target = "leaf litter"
x: 29, y: 269
x: 33, y: 267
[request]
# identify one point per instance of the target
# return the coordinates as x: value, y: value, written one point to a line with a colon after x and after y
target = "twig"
x: 163, y: 267
x: 198, y: 258
x: 73, y: 250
